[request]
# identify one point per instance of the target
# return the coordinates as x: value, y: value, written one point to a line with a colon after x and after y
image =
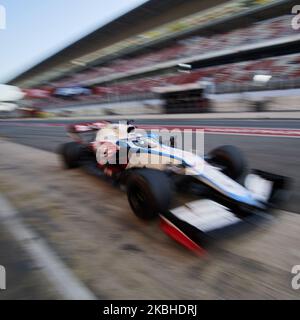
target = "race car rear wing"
x: 87, y: 126
x: 77, y: 131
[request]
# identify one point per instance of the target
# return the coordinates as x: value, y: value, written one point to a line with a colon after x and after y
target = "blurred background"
x: 231, y: 68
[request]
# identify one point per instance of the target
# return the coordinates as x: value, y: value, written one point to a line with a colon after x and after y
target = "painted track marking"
x: 244, y: 131
x: 58, y: 274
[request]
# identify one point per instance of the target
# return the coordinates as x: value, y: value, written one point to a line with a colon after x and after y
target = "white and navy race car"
x: 153, y: 172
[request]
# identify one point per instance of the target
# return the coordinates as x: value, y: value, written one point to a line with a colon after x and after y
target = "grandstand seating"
x: 280, y: 68
x: 195, y: 45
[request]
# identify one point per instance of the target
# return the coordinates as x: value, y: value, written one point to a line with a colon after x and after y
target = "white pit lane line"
x: 68, y: 286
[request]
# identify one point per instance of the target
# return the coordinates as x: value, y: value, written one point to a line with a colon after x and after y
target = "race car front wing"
x: 196, y: 223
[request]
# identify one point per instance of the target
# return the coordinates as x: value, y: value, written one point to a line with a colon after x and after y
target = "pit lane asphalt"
x: 273, y: 154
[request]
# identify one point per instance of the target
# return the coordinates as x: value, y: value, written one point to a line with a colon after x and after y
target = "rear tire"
x: 149, y: 193
x: 70, y: 153
x: 231, y: 159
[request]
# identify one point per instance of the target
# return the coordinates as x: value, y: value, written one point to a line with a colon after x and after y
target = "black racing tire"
x: 149, y: 193
x: 231, y: 159
x: 70, y: 153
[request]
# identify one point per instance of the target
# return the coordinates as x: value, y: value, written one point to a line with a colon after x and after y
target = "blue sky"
x: 36, y: 29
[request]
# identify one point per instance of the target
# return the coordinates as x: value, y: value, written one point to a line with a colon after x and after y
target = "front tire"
x: 230, y: 159
x: 149, y: 193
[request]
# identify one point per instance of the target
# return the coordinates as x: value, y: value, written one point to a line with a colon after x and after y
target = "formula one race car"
x: 153, y: 171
